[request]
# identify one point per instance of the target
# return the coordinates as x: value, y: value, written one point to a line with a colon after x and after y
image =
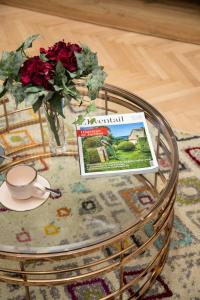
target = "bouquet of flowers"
x: 49, y: 79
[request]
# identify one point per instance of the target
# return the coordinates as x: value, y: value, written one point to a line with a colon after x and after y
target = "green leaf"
x: 86, y: 60
x: 34, y: 89
x: 72, y: 92
x: 60, y: 74
x: 94, y: 82
x: 8, y: 83
x: 5, y: 55
x: 60, y: 69
x: 66, y: 100
x: 57, y: 88
x: 73, y: 75
x: 31, y: 98
x: 57, y: 104
x: 10, y: 64
x: 3, y: 90
x: 88, y: 65
x: 28, y: 42
x: 80, y: 61
x: 90, y: 108
x: 48, y: 95
x: 18, y: 92
x: 51, y: 81
x: 79, y: 120
x: 3, y: 65
x: 36, y: 106
x: 43, y: 57
x: 52, y: 122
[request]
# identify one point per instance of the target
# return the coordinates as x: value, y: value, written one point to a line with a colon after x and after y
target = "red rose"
x: 63, y: 52
x: 36, y: 72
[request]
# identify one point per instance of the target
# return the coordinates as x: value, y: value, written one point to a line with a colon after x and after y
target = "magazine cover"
x: 115, y: 144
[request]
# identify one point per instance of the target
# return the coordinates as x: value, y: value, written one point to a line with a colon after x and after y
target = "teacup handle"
x: 38, y: 189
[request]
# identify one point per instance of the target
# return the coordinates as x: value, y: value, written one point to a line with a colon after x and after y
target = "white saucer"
x: 9, y: 202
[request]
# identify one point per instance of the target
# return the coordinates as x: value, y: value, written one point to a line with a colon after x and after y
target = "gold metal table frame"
x: 163, y: 185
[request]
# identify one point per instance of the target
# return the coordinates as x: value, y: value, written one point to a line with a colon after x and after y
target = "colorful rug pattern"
x: 180, y: 276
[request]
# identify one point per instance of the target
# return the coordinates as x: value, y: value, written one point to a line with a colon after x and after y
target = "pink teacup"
x: 22, y: 182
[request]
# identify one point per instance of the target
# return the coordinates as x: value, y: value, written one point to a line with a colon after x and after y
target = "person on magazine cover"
x: 111, y: 150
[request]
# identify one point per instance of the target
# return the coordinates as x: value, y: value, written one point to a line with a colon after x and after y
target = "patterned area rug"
x: 180, y: 276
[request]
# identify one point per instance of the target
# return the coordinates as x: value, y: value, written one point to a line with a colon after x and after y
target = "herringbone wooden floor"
x: 163, y: 72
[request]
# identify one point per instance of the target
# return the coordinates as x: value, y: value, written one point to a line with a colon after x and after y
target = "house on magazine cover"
x: 136, y: 134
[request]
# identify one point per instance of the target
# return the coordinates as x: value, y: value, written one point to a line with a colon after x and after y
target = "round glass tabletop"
x: 89, y: 210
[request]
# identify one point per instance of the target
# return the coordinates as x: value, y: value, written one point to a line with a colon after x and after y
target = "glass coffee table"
x: 97, y: 226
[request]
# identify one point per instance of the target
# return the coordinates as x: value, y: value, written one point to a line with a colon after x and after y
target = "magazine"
x: 115, y: 144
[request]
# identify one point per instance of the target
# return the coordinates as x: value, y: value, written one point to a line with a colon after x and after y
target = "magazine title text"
x: 107, y: 120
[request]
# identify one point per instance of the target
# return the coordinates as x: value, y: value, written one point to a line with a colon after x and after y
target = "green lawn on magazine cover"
x: 126, y: 160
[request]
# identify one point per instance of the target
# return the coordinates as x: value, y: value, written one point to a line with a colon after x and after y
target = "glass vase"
x: 56, y: 130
